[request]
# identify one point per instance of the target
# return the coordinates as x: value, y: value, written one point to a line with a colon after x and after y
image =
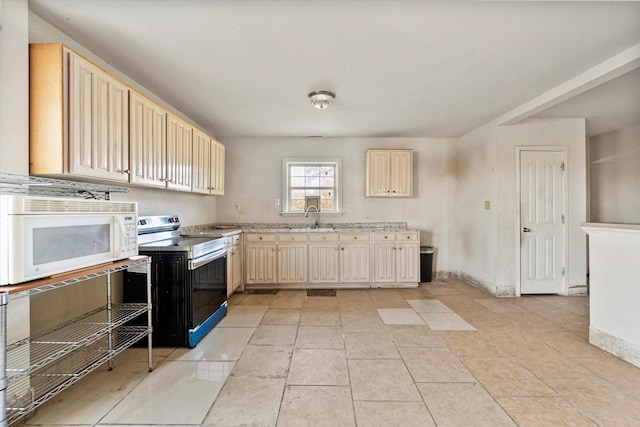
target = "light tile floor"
x: 445, y: 354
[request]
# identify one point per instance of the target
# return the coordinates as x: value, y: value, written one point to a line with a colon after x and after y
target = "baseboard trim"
x: 614, y: 345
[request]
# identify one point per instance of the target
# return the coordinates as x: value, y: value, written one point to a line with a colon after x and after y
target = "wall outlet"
x: 487, y: 205
x: 237, y: 206
x: 344, y: 203
x: 276, y: 202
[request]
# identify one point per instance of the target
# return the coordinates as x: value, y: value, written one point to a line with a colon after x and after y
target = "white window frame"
x: 288, y: 161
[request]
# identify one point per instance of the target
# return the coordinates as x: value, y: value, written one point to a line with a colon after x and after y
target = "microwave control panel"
x: 130, y: 237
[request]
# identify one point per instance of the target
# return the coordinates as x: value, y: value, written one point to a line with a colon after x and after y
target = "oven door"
x: 208, y: 294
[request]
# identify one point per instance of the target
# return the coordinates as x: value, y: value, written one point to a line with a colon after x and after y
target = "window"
x: 311, y: 182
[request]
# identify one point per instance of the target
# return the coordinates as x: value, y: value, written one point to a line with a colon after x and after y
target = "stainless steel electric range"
x: 189, y: 281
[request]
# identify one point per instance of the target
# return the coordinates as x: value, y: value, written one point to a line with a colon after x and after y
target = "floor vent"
x: 321, y: 292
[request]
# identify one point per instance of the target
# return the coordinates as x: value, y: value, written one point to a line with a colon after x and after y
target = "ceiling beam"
x: 608, y: 70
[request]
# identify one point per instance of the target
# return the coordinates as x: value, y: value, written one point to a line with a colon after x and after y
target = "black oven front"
x: 189, y: 296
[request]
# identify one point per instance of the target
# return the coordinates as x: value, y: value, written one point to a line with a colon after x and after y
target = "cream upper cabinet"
x: 217, y: 168
x: 79, y: 117
x: 179, y: 154
x: 148, y: 139
x: 201, y: 160
x: 208, y: 164
x: 388, y: 173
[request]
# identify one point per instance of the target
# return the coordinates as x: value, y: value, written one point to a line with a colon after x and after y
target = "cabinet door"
x: 201, y: 162
x: 148, y: 139
x: 354, y: 262
x: 99, y: 123
x: 260, y: 264
x: 408, y: 262
x: 384, y: 261
x: 377, y: 173
x: 179, y: 154
x: 217, y: 168
x: 238, y: 269
x: 292, y: 263
x: 401, y: 176
x: 323, y: 263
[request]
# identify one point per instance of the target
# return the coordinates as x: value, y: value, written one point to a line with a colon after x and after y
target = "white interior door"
x: 542, y: 217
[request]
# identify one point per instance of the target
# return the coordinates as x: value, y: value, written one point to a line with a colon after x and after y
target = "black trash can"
x: 426, y: 263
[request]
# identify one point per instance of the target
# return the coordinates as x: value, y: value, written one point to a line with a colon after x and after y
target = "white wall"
x: 486, y: 243
x: 254, y: 181
x: 474, y: 229
x: 614, y: 173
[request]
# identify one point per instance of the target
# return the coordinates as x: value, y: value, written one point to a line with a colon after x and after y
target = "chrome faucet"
x: 306, y: 214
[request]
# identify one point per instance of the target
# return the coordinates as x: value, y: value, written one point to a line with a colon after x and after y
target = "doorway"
x: 541, y: 219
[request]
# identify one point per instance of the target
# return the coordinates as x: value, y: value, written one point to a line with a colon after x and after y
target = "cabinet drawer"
x: 324, y: 237
x: 234, y: 240
x: 350, y: 237
x: 408, y: 237
x: 384, y: 237
x: 292, y: 237
x: 260, y: 237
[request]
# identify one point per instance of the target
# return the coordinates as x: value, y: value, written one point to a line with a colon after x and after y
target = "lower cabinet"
x: 396, y: 257
x: 275, y: 258
x: 349, y: 258
x: 355, y: 258
x: 235, y: 278
x: 324, y: 258
x: 260, y: 263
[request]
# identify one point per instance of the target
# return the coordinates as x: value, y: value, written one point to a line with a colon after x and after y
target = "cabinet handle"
x: 260, y: 238
x: 355, y: 237
x: 386, y: 237
x: 408, y: 237
x: 342, y: 249
x: 399, y: 249
x: 394, y: 248
x: 393, y: 191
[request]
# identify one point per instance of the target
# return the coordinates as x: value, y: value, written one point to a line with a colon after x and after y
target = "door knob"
x: 526, y: 230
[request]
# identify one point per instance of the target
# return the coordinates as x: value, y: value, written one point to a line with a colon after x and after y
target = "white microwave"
x: 45, y: 236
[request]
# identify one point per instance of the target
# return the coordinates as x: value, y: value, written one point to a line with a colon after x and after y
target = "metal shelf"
x: 37, y: 368
x: 31, y: 354
x: 41, y: 186
x: 48, y: 382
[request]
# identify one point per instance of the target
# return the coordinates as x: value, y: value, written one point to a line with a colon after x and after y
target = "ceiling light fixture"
x: 321, y: 99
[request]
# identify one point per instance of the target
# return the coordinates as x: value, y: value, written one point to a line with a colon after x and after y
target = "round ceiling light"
x: 321, y: 99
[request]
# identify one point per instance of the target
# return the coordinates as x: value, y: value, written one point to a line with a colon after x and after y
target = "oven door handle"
x: 204, y: 260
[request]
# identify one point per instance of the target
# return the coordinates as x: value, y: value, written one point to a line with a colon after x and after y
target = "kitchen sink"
x: 311, y: 229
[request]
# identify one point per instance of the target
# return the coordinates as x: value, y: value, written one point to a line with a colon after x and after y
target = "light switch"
x: 276, y: 202
x: 487, y: 205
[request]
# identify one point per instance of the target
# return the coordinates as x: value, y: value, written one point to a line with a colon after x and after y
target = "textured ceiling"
x: 398, y: 68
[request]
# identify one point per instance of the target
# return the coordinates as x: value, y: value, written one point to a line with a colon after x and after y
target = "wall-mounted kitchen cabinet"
x: 78, y: 117
x: 148, y: 142
x: 388, y: 173
x: 87, y: 124
x: 208, y: 164
x: 179, y: 154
